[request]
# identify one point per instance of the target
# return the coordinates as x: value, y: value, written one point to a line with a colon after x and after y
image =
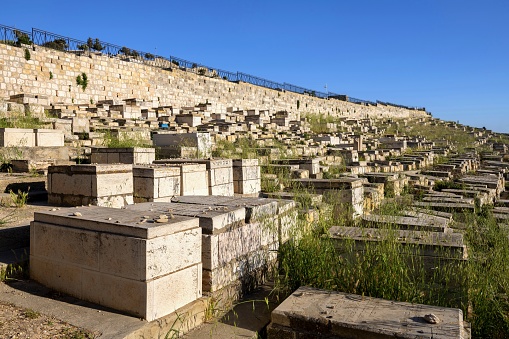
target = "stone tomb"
x: 339, y: 192
x: 219, y: 173
x: 17, y: 137
x: 239, y: 240
x: 156, y: 183
x: 97, y: 184
x: 170, y: 143
x: 193, y: 179
x: 135, y: 155
x: 417, y: 223
x: 132, y: 261
x: 232, y: 250
x: 246, y: 177
x: 315, y: 314
x: 20, y: 137
x: 48, y: 137
x: 428, y: 245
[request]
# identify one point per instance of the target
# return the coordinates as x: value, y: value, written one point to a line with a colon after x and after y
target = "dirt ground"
x: 19, y: 323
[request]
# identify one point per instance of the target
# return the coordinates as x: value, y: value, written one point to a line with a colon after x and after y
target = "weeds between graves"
x: 386, y: 269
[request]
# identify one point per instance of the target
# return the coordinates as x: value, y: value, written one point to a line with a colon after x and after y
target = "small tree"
x: 125, y: 51
x: 22, y: 38
x: 83, y: 47
x: 97, y: 45
x: 58, y: 44
x: 90, y: 43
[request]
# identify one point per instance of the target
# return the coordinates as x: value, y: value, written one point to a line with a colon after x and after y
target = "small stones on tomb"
x: 162, y: 218
x: 77, y: 214
x: 431, y: 318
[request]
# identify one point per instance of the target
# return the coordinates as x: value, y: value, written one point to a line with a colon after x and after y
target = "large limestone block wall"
x: 53, y: 74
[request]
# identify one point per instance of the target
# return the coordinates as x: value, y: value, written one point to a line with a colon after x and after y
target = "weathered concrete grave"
x: 135, y: 155
x: 219, y: 173
x: 445, y: 206
x: 240, y: 237
x: 349, y: 191
x: 98, y: 184
x: 313, y: 313
x: 246, y: 177
x: 48, y: 138
x: 427, y: 244
x: 133, y: 261
x: 17, y: 137
x: 238, y: 241
x: 170, y: 143
x: 156, y: 183
x: 193, y: 178
x: 408, y: 222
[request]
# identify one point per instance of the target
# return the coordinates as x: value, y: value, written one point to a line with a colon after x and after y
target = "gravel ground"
x: 22, y: 323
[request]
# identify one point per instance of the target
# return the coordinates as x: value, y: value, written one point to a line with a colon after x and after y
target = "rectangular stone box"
x: 246, y: 177
x: 135, y: 155
x: 219, y: 174
x: 193, y: 179
x: 48, y: 138
x: 97, y: 184
x: 201, y: 141
x: 424, y: 243
x: 407, y: 222
x: 155, y: 183
x: 17, y: 137
x: 238, y: 234
x: 121, y: 259
x: 313, y: 313
x: 340, y: 192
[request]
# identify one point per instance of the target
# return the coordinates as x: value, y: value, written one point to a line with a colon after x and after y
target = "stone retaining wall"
x: 52, y: 74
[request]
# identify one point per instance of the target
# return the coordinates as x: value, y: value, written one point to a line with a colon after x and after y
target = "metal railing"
x: 361, y: 102
x: 16, y: 37
x: 259, y: 81
x: 401, y: 106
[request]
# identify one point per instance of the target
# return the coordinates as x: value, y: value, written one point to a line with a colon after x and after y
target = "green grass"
x: 124, y: 141
x: 21, y: 122
x: 31, y: 314
x: 18, y: 199
x: 387, y: 269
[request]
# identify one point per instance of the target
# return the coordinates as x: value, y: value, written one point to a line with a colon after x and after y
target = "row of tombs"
x: 150, y: 259
x: 118, y: 185
x: 197, y: 226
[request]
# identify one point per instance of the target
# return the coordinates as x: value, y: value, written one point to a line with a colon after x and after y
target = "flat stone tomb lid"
x: 139, y: 223
x: 256, y: 208
x: 344, y: 313
x: 406, y: 236
x: 212, y: 218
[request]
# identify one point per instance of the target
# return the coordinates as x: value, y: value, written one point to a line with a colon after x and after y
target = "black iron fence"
x: 16, y: 37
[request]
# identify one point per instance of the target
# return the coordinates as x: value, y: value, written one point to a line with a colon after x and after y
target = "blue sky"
x: 450, y: 56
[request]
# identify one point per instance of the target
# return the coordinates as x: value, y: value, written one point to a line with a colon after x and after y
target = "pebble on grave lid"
x: 431, y: 318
